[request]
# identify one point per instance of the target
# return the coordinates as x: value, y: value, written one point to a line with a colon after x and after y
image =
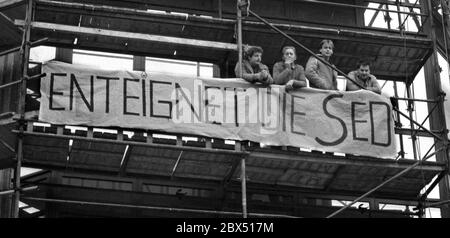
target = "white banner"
x: 358, y: 122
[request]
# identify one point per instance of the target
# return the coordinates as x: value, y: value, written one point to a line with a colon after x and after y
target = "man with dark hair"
x: 362, y: 76
x: 287, y: 72
x: 319, y: 74
x: 252, y: 69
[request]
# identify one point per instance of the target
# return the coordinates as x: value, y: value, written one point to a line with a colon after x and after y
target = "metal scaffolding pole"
x: 402, y: 150
x: 170, y: 209
x: 419, y: 125
x: 410, y: 111
x: 21, y: 80
x: 239, y: 5
x: 362, y: 7
x: 437, y: 119
x: 239, y: 36
x: 244, y: 189
x: 25, y: 53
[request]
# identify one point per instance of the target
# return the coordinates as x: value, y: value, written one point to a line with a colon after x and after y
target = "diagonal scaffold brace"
x: 386, y: 182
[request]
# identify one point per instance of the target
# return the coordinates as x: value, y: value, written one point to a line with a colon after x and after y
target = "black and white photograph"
x: 226, y: 116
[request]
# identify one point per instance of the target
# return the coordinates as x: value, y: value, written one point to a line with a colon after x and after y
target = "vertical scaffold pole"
x: 410, y: 111
x: 244, y: 189
x: 239, y: 37
x: 437, y: 118
x: 239, y: 45
x: 238, y: 147
x: 402, y: 150
x: 25, y: 53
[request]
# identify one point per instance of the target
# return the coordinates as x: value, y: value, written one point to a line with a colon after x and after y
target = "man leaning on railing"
x: 362, y: 76
x: 287, y: 72
x: 252, y: 69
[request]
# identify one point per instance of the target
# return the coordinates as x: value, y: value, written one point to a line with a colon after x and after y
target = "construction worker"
x: 287, y: 72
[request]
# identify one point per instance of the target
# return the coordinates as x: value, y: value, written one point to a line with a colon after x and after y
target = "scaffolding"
x: 237, y: 156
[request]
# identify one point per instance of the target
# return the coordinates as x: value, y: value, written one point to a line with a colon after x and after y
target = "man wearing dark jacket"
x: 287, y: 72
x: 252, y: 69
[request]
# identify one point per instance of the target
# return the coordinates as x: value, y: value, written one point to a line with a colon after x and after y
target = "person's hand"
x: 259, y: 76
x: 289, y: 61
x: 264, y: 76
x: 289, y: 85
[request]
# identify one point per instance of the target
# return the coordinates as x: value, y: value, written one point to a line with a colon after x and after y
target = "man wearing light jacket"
x: 319, y: 74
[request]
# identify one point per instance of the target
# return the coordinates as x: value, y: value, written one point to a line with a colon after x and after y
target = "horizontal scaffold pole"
x: 420, y: 126
x: 436, y: 204
x: 364, y: 7
x: 20, y: 81
x: 154, y: 208
x: 34, y: 43
x: 128, y: 35
x: 11, y: 191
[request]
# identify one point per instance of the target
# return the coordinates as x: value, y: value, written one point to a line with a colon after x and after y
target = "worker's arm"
x: 375, y: 87
x: 299, y: 77
x: 252, y: 78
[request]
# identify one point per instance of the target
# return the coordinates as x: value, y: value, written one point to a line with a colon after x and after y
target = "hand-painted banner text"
x: 358, y: 122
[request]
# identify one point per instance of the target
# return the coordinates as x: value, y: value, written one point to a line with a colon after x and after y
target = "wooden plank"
x: 120, y: 135
x: 90, y: 132
x: 59, y: 130
x: 208, y: 143
x: 149, y: 137
x: 179, y: 141
x: 128, y: 35
x: 138, y: 63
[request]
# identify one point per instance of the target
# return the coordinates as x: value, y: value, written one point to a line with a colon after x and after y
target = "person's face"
x: 327, y: 50
x: 255, y: 58
x: 364, y: 71
x: 289, y: 55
